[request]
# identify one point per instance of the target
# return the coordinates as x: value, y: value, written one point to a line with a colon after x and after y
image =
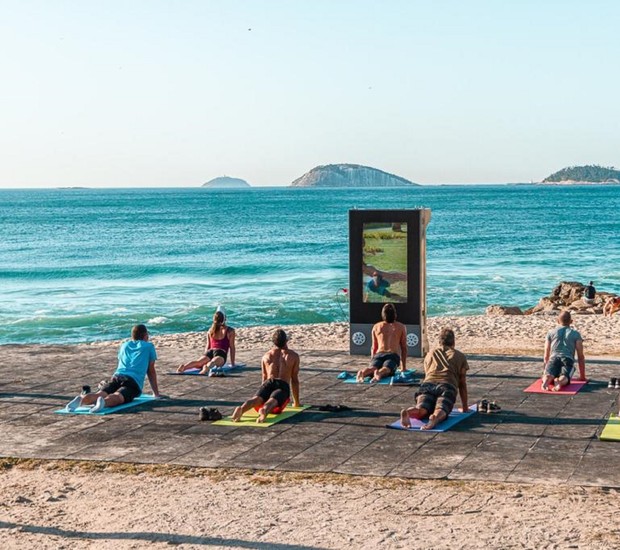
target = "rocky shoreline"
x: 568, y: 295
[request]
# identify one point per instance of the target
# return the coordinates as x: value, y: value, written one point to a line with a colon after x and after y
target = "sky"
x: 150, y: 93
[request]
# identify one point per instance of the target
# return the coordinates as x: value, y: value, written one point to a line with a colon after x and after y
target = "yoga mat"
x: 110, y: 410
x: 388, y: 381
x: 249, y: 418
x: 453, y: 418
x: 227, y: 368
x: 571, y: 389
x: 611, y: 431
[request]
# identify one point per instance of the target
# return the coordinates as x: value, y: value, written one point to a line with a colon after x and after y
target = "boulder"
x: 496, y: 309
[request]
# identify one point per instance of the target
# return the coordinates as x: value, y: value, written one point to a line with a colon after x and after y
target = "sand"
x: 89, y: 505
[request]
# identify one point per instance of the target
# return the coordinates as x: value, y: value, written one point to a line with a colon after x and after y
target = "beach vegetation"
x: 591, y: 173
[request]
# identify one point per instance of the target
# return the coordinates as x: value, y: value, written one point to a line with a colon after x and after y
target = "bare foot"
x: 432, y: 422
x: 404, y: 419
x: 237, y: 414
x: 359, y: 378
x: 544, y: 386
x: 262, y: 414
x: 556, y: 387
x: 181, y: 368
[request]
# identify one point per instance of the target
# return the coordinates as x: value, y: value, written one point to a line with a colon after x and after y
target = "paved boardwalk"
x: 537, y: 438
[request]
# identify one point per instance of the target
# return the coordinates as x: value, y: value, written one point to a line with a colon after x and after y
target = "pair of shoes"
x: 614, y: 383
x: 205, y: 413
x: 217, y: 372
x: 343, y: 375
x: 483, y: 406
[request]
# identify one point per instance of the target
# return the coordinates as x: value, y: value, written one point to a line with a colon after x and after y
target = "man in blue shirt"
x: 136, y: 360
x: 560, y: 346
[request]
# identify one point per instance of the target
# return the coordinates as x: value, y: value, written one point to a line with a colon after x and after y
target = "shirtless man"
x: 389, y: 338
x: 280, y: 367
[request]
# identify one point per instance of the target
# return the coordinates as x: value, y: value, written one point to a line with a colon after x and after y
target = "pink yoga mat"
x: 571, y: 389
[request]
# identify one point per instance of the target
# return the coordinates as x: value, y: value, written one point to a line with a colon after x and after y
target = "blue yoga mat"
x: 110, y: 410
x: 453, y: 418
x: 389, y: 381
x: 196, y: 372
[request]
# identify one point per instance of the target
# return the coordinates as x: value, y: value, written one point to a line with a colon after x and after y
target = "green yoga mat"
x: 611, y: 432
x: 249, y: 418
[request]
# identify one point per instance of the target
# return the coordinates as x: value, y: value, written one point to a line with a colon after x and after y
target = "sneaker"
x: 493, y: 407
x: 99, y: 405
x: 483, y: 406
x: 612, y: 383
x: 203, y: 414
x: 617, y: 386
x: 214, y: 414
x: 74, y: 404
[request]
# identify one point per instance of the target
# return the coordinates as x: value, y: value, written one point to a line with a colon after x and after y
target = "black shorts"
x: 385, y: 359
x: 216, y: 352
x: 277, y: 389
x: 433, y: 396
x: 125, y: 385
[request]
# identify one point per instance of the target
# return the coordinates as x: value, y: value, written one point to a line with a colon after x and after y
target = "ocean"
x: 81, y: 265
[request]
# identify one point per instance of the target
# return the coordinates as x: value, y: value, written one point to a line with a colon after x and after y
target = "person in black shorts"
x: 280, y: 379
x: 389, y: 347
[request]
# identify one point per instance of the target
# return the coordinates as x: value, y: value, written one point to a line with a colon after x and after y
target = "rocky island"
x: 224, y: 182
x: 591, y: 173
x: 349, y: 175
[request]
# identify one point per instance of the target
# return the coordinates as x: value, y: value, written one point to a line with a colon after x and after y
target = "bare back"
x: 389, y: 337
x: 282, y: 364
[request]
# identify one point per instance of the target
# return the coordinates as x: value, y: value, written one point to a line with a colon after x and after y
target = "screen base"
x: 360, y: 340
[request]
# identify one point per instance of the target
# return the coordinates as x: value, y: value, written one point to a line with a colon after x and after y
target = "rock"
x: 349, y: 175
x: 225, y: 182
x: 496, y: 309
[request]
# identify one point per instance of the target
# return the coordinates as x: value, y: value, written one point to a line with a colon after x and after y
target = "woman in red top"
x: 220, y: 340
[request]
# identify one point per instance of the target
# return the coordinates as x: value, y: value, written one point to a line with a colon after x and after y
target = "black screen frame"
x: 408, y: 312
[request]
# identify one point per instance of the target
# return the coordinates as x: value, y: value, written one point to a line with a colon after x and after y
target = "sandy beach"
x: 56, y: 504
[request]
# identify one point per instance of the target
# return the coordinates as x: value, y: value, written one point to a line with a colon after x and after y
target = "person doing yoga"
x: 445, y: 370
x: 220, y: 340
x: 280, y: 377
x: 561, y: 344
x: 389, y: 347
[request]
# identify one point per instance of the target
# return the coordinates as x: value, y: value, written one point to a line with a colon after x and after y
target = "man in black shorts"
x: 389, y: 337
x: 280, y: 376
x: 445, y: 371
x: 136, y: 360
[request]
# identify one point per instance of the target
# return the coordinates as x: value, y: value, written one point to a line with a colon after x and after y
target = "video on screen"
x: 384, y: 262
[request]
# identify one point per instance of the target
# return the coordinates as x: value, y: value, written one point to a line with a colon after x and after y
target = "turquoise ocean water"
x: 79, y: 265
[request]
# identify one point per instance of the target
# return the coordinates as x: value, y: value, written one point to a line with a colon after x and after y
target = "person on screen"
x: 445, y: 370
x: 377, y: 285
x: 389, y: 347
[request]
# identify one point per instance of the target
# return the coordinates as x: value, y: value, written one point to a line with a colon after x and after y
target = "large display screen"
x: 384, y: 262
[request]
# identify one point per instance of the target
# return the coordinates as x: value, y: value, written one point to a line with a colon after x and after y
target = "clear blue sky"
x: 174, y: 93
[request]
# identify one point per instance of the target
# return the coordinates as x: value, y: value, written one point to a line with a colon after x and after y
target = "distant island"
x: 591, y: 173
x: 349, y: 175
x: 224, y: 182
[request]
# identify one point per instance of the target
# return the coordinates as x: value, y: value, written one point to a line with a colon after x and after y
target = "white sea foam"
x: 160, y: 320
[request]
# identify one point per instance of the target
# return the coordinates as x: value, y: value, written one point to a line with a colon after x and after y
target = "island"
x: 349, y: 175
x: 591, y: 173
x: 225, y: 182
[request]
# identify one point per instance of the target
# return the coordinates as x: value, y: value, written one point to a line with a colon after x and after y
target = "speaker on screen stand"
x: 387, y: 263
